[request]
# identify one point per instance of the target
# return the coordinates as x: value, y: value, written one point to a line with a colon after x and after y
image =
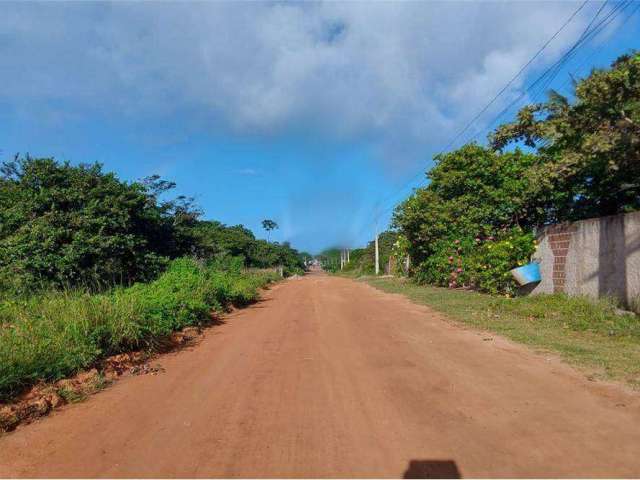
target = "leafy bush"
x: 472, y: 223
x: 489, y: 265
x: 53, y: 335
x: 480, y: 263
x: 216, y: 241
x: 76, y: 226
x: 65, y: 226
x: 182, y: 296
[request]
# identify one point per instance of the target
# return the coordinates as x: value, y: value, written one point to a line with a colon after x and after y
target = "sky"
x: 318, y: 115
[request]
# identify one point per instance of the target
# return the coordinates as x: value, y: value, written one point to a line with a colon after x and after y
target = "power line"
x: 582, y: 41
x: 562, y: 61
x: 597, y: 51
x: 582, y: 36
x: 550, y: 74
x: 486, y: 107
x: 599, y: 28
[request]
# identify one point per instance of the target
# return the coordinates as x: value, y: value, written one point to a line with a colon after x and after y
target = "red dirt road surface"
x: 327, y: 377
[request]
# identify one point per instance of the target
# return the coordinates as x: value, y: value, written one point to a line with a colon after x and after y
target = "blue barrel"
x: 526, y: 274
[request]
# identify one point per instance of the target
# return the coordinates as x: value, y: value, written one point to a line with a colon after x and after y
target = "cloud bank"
x: 401, y: 77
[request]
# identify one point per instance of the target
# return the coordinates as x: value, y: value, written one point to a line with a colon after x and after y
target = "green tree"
x: 473, y: 192
x: 215, y: 240
x: 269, y: 225
x: 330, y: 259
x: 476, y: 196
x: 589, y: 149
x: 70, y: 225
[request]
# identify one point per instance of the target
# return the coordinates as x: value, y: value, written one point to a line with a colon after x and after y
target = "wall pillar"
x: 559, y: 237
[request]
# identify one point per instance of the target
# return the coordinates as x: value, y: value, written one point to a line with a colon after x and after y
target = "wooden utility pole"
x: 377, y: 252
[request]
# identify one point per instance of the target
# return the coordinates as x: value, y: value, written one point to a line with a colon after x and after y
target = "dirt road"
x: 328, y: 377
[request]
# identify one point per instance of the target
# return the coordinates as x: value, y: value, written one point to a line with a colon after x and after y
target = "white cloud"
x: 402, y: 76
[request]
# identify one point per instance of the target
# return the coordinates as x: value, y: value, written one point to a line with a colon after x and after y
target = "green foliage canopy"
x: 474, y: 220
x: 473, y: 192
x: 589, y: 149
x: 67, y: 226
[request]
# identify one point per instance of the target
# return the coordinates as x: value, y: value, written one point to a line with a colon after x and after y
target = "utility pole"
x: 348, y: 255
x: 377, y: 252
x: 341, y: 259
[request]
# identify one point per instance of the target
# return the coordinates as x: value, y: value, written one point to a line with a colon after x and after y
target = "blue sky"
x: 307, y: 113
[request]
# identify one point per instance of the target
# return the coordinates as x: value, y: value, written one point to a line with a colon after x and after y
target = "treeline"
x: 92, y: 266
x: 66, y: 226
x: 565, y: 159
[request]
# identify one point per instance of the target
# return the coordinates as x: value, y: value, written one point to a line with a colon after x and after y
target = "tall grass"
x: 52, y: 335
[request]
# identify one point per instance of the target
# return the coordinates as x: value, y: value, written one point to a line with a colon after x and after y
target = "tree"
x: 589, y: 149
x: 269, y: 225
x: 475, y: 197
x: 216, y: 241
x: 474, y: 221
x: 473, y: 192
x: 65, y: 225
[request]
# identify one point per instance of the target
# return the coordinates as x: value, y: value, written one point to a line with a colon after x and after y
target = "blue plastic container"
x: 526, y: 274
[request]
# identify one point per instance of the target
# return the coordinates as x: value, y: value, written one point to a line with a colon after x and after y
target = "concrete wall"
x: 596, y: 257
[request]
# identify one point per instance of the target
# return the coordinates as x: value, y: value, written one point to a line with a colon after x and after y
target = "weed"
x: 53, y: 335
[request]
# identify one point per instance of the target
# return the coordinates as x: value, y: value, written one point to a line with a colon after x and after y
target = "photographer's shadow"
x: 432, y: 469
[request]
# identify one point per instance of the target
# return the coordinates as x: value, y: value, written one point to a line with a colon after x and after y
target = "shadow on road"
x: 432, y: 469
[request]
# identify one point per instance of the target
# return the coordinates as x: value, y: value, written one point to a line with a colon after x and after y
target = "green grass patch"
x: 53, y: 335
x: 586, y: 333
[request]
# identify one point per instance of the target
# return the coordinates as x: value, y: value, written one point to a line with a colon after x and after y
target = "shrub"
x: 480, y: 263
x: 65, y: 226
x: 77, y: 226
x: 490, y: 262
x: 56, y: 334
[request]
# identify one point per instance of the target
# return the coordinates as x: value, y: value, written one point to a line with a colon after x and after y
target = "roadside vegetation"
x: 362, y: 260
x: 592, y: 335
x: 565, y: 159
x: 56, y: 334
x: 92, y: 266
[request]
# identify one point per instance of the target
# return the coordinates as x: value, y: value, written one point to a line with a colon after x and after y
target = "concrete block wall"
x: 596, y: 257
